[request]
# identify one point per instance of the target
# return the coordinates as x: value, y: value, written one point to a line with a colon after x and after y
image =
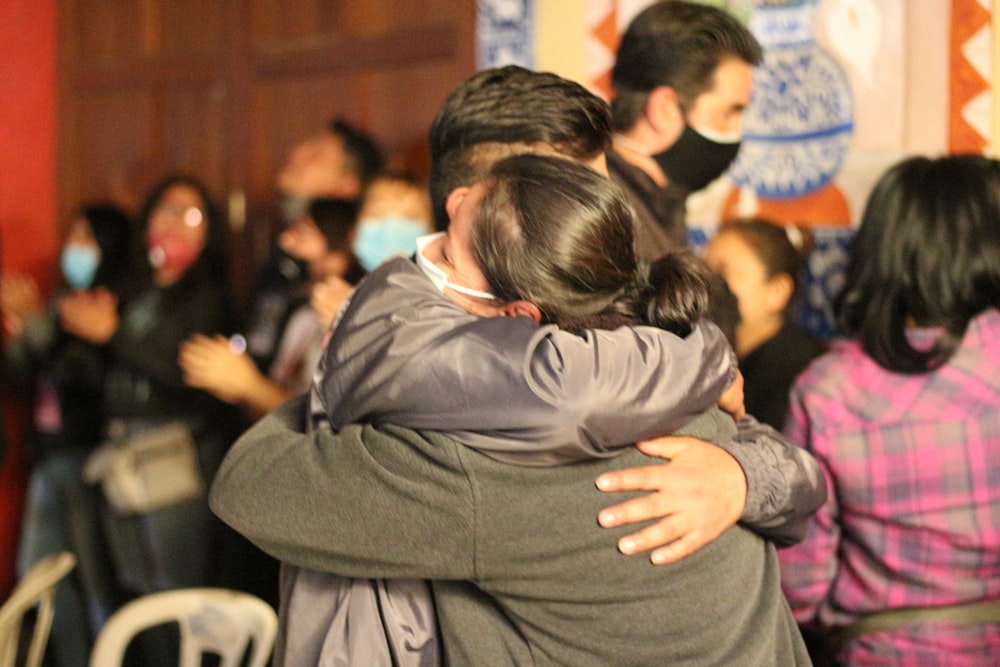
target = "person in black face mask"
x: 682, y: 78
x: 337, y: 162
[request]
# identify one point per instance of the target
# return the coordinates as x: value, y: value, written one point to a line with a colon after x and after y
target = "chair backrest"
x: 36, y: 589
x: 211, y: 620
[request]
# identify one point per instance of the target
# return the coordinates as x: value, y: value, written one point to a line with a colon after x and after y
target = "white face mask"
x: 437, y: 275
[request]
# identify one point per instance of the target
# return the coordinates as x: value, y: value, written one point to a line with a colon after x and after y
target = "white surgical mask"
x: 437, y: 275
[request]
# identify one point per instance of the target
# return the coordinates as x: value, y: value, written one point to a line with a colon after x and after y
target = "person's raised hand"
x: 19, y: 300
x: 90, y: 314
x: 697, y: 494
x: 213, y: 363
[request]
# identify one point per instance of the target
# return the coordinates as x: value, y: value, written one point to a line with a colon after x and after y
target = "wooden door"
x: 222, y: 88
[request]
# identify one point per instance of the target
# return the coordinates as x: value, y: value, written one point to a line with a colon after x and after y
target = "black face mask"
x: 694, y: 160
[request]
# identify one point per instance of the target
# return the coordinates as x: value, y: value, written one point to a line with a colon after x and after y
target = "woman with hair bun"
x: 551, y: 240
x: 542, y: 241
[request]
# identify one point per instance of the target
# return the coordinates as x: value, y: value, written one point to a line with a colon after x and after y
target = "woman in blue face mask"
x: 96, y: 250
x: 65, y: 375
x: 395, y: 212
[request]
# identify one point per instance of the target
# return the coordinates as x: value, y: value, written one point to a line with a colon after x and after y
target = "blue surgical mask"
x: 79, y: 264
x: 378, y: 239
x: 437, y: 275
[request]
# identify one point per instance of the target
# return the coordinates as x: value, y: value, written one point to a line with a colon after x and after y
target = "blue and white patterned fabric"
x: 822, y: 279
x: 505, y: 33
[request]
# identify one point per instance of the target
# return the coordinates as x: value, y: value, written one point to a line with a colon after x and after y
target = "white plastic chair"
x: 211, y: 620
x: 37, y: 588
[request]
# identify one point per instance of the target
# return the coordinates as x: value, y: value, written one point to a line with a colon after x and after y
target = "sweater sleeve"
x: 785, y: 484
x: 521, y: 393
x: 296, y: 495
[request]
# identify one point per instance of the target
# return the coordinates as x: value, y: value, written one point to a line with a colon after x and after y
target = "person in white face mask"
x: 64, y: 374
x: 278, y: 475
x: 564, y: 258
x: 540, y: 240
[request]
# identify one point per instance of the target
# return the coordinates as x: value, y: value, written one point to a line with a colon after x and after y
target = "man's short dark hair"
x: 500, y: 112
x: 678, y: 44
x: 363, y: 153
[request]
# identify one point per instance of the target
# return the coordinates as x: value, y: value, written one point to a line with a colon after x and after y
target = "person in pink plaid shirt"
x: 904, y: 418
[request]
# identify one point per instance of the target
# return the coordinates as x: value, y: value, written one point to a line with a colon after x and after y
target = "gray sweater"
x: 518, y: 392
x: 521, y: 573
x: 534, y: 395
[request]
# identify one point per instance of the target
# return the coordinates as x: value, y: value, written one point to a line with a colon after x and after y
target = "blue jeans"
x: 45, y: 530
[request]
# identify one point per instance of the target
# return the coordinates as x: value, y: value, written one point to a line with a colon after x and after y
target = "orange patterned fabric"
x: 968, y: 18
x: 604, y: 38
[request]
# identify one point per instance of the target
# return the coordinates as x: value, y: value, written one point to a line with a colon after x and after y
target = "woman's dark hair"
x: 558, y: 234
x: 336, y: 219
x: 112, y: 230
x: 927, y: 253
x: 212, y: 264
x: 780, y: 248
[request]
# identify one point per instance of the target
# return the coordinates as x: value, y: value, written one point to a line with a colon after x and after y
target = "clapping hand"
x: 19, y: 300
x: 90, y: 314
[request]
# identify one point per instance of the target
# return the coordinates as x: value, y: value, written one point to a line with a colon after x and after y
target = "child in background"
x: 395, y: 212
x: 901, y: 566
x: 761, y: 263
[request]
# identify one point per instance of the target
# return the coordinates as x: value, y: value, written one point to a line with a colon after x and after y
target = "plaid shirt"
x: 913, y: 516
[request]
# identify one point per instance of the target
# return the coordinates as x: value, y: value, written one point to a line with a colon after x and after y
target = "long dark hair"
x: 558, y: 234
x: 927, y: 253
x: 112, y: 230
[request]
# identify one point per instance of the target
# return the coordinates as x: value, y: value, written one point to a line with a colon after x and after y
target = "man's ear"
x: 663, y: 110
x: 521, y: 307
x: 455, y: 198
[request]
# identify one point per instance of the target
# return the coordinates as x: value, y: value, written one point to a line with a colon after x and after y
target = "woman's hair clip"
x: 795, y: 236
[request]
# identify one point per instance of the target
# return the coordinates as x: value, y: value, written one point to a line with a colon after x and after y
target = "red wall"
x: 28, y: 235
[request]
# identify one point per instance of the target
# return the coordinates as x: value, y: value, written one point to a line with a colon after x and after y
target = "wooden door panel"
x: 280, y: 21
x: 223, y: 88
x: 109, y: 33
x: 194, y: 133
x: 130, y: 139
x: 114, y: 145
